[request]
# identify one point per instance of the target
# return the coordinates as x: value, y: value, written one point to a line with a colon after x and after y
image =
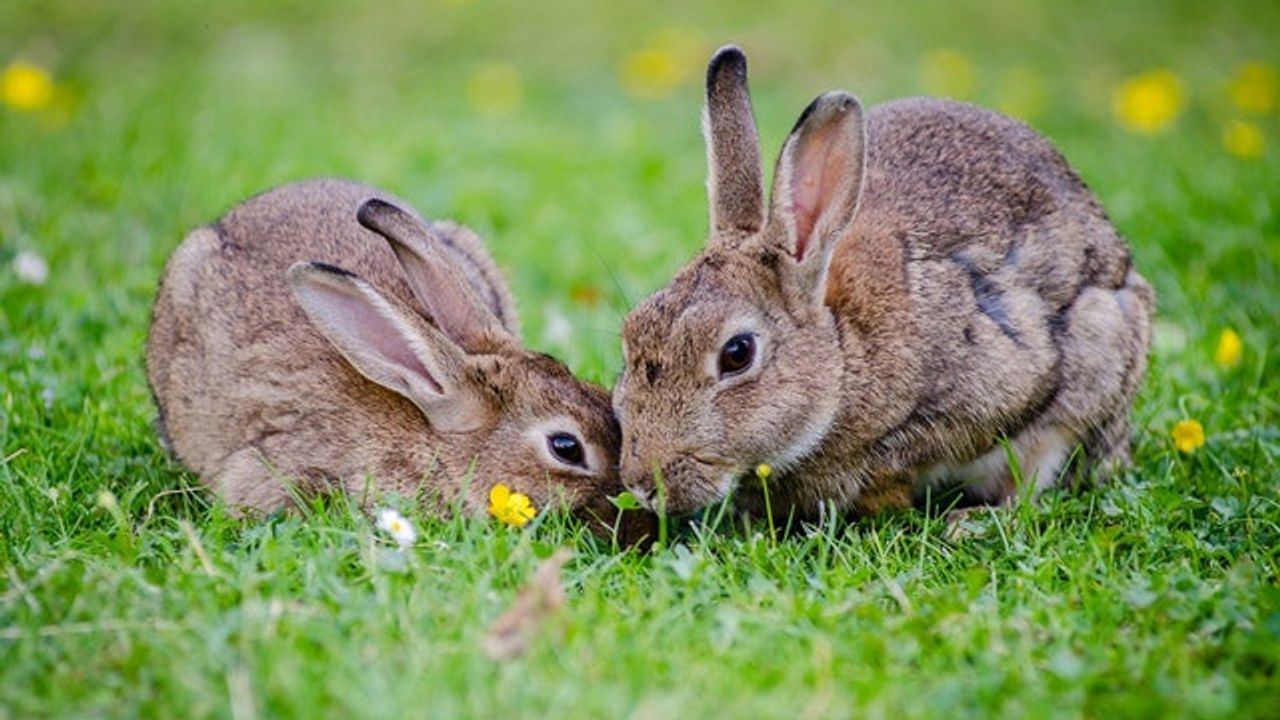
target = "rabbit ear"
x: 382, y: 343
x: 817, y: 183
x: 452, y: 303
x: 735, y: 180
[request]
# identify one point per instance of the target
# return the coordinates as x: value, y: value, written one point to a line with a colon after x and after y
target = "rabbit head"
x: 738, y: 361
x: 389, y: 361
x: 527, y: 421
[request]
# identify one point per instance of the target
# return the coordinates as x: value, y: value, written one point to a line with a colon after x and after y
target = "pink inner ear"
x: 804, y: 203
x: 371, y: 333
x: 815, y: 178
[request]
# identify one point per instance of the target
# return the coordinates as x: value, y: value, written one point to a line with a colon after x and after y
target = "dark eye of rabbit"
x: 567, y: 448
x: 737, y: 354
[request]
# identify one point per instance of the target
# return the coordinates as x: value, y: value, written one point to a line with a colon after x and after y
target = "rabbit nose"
x: 638, y: 482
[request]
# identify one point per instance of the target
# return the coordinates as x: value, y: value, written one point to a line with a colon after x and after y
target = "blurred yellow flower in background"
x: 666, y: 61
x: 650, y: 74
x: 1148, y: 103
x: 1230, y: 349
x: 947, y: 73
x: 1243, y: 139
x: 1188, y: 436
x: 494, y: 89
x: 1254, y: 88
x: 26, y: 86
x: 512, y: 508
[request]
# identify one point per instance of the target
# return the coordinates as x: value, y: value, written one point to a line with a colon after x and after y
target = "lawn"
x: 568, y: 136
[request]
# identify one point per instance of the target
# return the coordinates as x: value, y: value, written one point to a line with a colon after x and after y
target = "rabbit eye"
x: 567, y: 449
x: 737, y: 354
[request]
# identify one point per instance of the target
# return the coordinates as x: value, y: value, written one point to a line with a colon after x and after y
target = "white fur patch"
x: 814, y: 432
x: 1044, y: 461
x: 1040, y: 453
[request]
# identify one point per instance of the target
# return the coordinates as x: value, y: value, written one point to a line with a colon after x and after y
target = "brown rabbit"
x: 317, y: 337
x: 921, y: 285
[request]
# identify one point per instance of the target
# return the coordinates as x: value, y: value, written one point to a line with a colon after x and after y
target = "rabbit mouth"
x: 636, y: 528
x: 686, y: 483
x: 712, y: 479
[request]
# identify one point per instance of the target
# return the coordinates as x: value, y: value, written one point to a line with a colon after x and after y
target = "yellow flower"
x: 25, y: 86
x: 495, y: 89
x: 763, y: 471
x: 1148, y: 103
x: 1230, y: 349
x: 1243, y: 139
x: 947, y: 73
x: 662, y: 64
x: 1188, y: 436
x: 1254, y: 88
x: 513, y: 508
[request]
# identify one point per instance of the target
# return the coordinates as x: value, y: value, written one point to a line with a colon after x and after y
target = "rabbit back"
x: 997, y: 295
x: 239, y: 374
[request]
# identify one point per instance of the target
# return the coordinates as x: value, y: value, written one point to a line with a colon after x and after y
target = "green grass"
x: 1156, y: 595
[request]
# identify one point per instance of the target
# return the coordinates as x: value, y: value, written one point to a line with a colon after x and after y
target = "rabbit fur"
x: 929, y: 281
x: 318, y: 337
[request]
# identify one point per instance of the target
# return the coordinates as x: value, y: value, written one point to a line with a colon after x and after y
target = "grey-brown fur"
x: 977, y: 292
x: 257, y: 398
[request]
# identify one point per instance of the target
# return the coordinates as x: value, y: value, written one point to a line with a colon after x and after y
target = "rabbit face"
x: 555, y: 439
x: 725, y: 386
x: 738, y: 361
x: 513, y: 417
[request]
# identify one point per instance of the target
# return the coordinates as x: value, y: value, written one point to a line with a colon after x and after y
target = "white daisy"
x: 30, y: 268
x: 397, y: 526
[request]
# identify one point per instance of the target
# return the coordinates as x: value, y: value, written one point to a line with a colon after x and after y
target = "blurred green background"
x: 568, y: 135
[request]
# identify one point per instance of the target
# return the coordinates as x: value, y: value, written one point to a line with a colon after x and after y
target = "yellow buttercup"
x: 513, y: 508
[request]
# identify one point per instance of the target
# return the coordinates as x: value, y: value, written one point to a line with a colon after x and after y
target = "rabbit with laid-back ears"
x: 318, y: 338
x: 924, y: 283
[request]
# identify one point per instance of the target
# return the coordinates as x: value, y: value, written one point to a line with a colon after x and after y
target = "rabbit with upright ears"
x: 318, y: 337
x: 927, y: 281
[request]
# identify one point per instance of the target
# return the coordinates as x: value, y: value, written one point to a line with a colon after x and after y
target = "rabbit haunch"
x: 319, y: 338
x: 922, y: 284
